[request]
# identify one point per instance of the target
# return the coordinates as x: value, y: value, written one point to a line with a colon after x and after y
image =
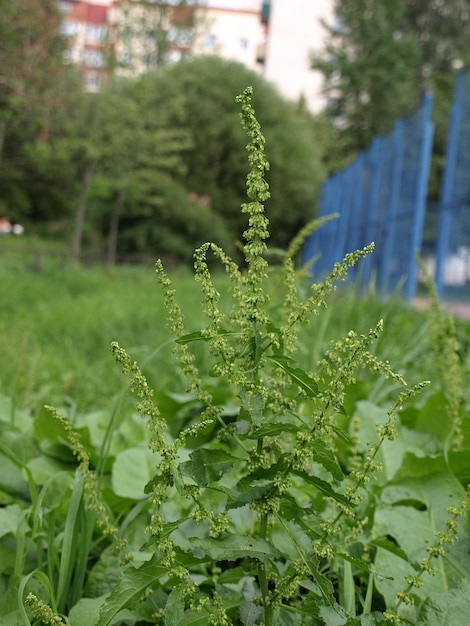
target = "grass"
x: 57, y: 325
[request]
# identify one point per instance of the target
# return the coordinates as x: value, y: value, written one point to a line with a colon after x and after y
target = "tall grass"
x: 56, y: 326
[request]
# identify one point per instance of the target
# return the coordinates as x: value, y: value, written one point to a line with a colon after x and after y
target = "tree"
x: 381, y: 56
x: 151, y: 33
x: 34, y: 82
x: 215, y: 164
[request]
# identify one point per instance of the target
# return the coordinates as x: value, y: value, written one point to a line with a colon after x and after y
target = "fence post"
x: 372, y: 202
x: 422, y: 185
x: 392, y: 207
x: 343, y: 209
x: 446, y: 202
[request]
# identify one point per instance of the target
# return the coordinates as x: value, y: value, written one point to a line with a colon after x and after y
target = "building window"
x: 69, y: 28
x: 211, y: 41
x: 180, y: 36
x: 125, y: 58
x: 95, y: 33
x: 92, y: 81
x: 93, y: 58
x: 173, y: 56
x: 150, y: 60
x: 243, y: 43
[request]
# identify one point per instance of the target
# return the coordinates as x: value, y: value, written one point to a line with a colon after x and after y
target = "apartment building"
x: 274, y: 37
x: 85, y: 24
x: 232, y: 29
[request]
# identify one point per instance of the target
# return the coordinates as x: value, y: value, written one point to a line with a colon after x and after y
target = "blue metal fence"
x: 380, y: 197
x: 453, y: 246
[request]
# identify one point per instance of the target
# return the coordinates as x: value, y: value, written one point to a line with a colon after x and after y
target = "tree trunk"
x: 114, y: 227
x: 80, y: 216
x: 3, y: 131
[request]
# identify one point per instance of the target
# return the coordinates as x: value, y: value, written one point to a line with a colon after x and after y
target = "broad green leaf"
x: 447, y: 609
x: 10, y: 518
x: 202, y: 618
x: 235, y: 547
x: 132, y: 585
x: 433, y: 416
x: 323, y: 583
x: 333, y: 616
x: 238, y: 498
x: 298, y: 376
x: 324, y: 456
x: 343, y: 435
x: 253, y: 406
x: 174, y: 608
x: 207, y: 466
x: 412, y: 511
x: 305, y: 518
x: 391, y: 453
x: 322, y: 486
x: 390, y: 546
x: 86, y: 611
x: 250, y: 613
x: 132, y: 469
x: 14, y: 417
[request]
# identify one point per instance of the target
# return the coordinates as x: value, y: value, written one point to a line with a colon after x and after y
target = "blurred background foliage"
x: 156, y: 165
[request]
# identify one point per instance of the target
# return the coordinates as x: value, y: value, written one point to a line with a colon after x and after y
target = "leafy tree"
x: 150, y: 30
x: 207, y: 86
x: 34, y: 83
x: 381, y: 56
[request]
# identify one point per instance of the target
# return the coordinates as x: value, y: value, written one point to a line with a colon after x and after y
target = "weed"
x: 259, y: 508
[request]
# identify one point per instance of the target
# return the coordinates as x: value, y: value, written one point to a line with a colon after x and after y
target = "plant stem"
x: 263, y: 580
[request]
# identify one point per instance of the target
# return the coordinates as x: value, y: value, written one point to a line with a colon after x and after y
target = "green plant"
x: 262, y: 504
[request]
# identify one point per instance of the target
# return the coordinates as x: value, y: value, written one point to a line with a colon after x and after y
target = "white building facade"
x: 295, y: 31
x: 275, y: 38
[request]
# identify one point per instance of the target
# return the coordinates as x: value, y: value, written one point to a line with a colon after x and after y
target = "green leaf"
x: 324, y: 584
x: 174, y: 608
x: 298, y: 376
x: 207, y: 466
x: 324, y: 456
x: 132, y: 470
x: 10, y: 518
x: 272, y: 430
x: 132, y: 585
x: 390, y: 546
x: 238, y: 497
x: 250, y: 613
x: 196, y: 336
x: 200, y: 336
x: 447, y: 609
x: 323, y: 486
x: 342, y: 434
x: 202, y: 618
x: 362, y: 565
x: 235, y: 547
x: 252, y: 405
x: 86, y: 611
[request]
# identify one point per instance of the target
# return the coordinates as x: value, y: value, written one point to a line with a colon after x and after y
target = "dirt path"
x: 459, y: 309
